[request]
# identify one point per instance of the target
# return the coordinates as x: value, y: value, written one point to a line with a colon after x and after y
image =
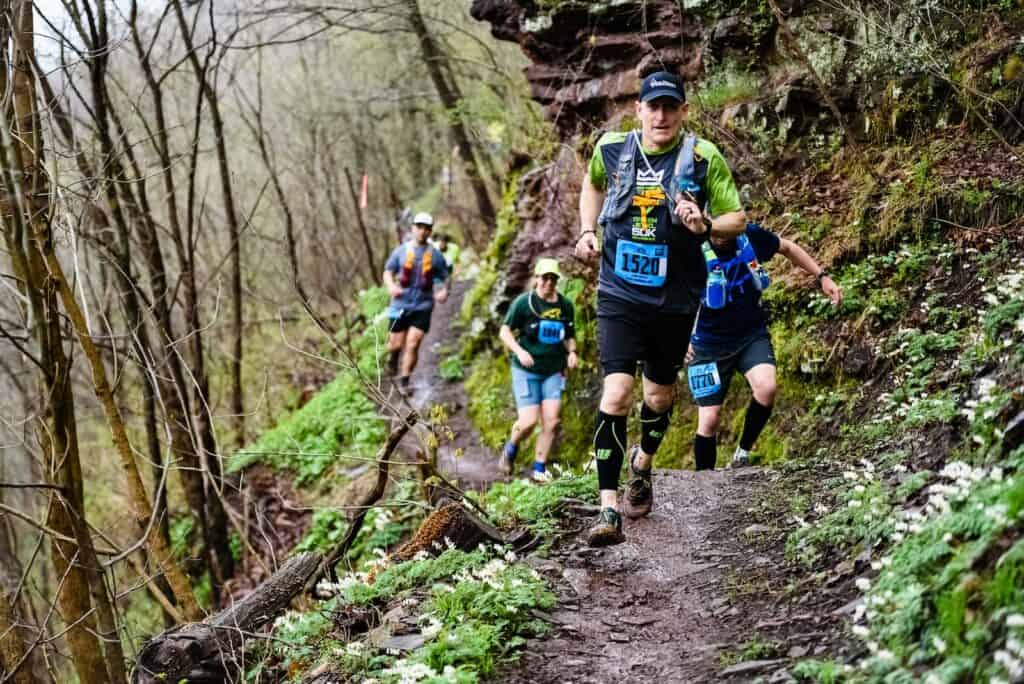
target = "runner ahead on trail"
x: 732, y: 334
x: 450, y: 250
x: 662, y: 193
x: 414, y: 275
x: 544, y: 349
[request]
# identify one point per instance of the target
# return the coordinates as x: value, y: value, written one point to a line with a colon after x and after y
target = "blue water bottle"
x: 715, y: 292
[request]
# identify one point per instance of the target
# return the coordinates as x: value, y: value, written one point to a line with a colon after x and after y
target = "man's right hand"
x: 395, y: 290
x: 586, y: 246
x: 525, y: 358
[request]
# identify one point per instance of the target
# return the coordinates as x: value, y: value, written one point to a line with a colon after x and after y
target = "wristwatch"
x: 821, y: 274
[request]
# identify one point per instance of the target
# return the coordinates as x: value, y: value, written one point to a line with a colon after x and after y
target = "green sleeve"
x: 514, y: 317
x: 723, y: 197
x: 597, y: 172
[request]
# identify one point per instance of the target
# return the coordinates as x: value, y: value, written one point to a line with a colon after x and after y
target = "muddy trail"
x: 699, y: 592
x: 460, y: 455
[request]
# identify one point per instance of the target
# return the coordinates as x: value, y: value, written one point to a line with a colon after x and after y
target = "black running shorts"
x: 412, y: 319
x: 630, y: 334
x: 752, y: 352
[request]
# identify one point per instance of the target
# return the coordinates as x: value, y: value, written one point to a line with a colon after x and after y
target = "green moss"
x: 492, y: 409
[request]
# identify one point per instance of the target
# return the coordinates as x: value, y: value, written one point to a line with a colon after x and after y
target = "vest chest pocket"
x: 641, y: 264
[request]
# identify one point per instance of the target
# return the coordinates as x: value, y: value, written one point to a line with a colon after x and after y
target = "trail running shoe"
x: 508, y: 458
x: 607, y: 530
x: 639, y: 496
x: 741, y: 459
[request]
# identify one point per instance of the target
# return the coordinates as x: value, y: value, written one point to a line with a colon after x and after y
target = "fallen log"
x: 201, y: 652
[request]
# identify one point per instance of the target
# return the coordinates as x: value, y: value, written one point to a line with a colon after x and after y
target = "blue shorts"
x: 530, y: 389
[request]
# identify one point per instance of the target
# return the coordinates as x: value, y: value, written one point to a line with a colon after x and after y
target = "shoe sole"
x: 633, y: 511
x: 609, y: 539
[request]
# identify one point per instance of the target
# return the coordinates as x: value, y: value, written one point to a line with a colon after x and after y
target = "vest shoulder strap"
x: 685, y: 165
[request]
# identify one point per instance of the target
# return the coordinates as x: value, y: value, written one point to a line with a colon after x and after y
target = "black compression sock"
x: 705, y: 451
x: 610, y: 448
x: 753, y: 423
x: 652, y: 428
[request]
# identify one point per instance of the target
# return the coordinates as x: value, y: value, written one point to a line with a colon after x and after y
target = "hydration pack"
x: 718, y: 290
x: 545, y: 330
x: 426, y: 267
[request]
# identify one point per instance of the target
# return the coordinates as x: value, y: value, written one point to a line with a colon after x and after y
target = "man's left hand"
x: 690, y: 214
x: 833, y: 291
x: 573, y: 360
x: 441, y: 296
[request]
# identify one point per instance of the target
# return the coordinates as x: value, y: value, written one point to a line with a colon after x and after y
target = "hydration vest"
x: 545, y: 330
x: 718, y: 290
x: 426, y: 267
x: 619, y: 196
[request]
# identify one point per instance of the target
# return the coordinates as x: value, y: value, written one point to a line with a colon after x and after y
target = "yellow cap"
x: 545, y: 266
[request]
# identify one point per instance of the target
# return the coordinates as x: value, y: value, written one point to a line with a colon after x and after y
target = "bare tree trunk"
x: 370, y: 260
x: 14, y: 663
x: 450, y: 96
x: 234, y: 227
x: 85, y: 609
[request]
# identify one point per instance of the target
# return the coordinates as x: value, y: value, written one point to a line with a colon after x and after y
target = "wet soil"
x: 699, y: 592
x: 460, y: 455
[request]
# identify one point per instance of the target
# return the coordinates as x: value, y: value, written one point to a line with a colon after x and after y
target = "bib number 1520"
x: 641, y: 264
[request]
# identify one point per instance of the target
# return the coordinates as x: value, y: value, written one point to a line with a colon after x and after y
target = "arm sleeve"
x: 723, y: 197
x: 764, y: 242
x: 514, y: 317
x: 596, y: 170
x: 569, y: 316
x: 392, y: 263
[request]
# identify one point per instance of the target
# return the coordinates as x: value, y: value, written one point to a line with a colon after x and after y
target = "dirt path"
x: 698, y: 593
x: 463, y: 457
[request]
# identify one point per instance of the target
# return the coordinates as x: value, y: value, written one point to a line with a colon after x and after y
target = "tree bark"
x: 234, y: 227
x: 450, y: 96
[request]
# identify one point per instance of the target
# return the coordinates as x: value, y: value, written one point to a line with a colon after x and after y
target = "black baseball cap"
x: 662, y: 84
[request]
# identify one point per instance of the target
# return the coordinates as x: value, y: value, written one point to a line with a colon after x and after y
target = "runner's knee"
x: 659, y: 400
x: 617, y: 394
x: 707, y: 420
x: 764, y: 392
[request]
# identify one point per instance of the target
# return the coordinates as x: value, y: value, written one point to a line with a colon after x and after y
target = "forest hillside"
x: 210, y: 471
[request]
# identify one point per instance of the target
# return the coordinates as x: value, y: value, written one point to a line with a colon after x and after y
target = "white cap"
x: 423, y: 218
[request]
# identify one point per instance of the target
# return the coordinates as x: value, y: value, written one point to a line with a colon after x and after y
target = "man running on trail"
x: 450, y: 250
x: 414, y: 275
x: 652, y: 274
x: 545, y: 347
x: 732, y: 335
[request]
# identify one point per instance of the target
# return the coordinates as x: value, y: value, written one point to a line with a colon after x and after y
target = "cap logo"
x: 668, y: 84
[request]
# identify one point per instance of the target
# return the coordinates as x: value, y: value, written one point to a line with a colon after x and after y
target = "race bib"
x: 704, y: 379
x: 551, y: 332
x: 641, y: 264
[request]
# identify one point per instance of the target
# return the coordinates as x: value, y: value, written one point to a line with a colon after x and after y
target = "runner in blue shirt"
x: 415, y: 275
x: 735, y: 336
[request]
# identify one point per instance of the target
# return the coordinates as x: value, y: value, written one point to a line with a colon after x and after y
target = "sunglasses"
x: 549, y: 276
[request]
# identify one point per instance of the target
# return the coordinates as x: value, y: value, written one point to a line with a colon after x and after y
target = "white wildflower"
x: 863, y: 583
x: 939, y: 644
x: 1015, y: 620
x: 860, y: 630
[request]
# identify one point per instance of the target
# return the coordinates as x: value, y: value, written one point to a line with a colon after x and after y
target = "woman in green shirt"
x: 539, y: 332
